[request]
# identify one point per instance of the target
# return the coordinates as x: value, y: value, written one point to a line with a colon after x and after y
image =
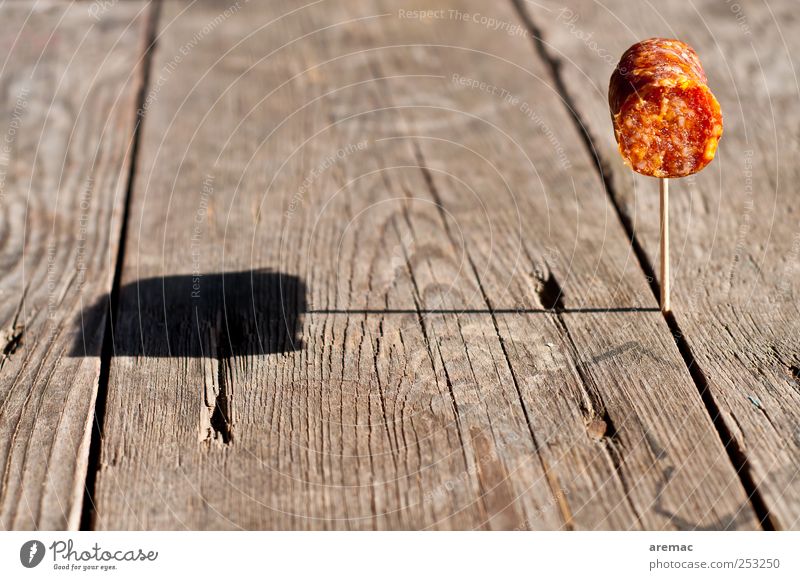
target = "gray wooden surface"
x: 69, y: 88
x: 735, y: 235
x: 384, y: 270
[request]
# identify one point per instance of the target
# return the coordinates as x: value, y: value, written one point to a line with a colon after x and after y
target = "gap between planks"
x: 148, y: 47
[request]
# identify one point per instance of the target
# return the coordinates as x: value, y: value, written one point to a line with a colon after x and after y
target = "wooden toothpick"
x: 663, y: 189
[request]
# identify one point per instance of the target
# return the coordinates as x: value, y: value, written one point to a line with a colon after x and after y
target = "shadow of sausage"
x: 216, y: 315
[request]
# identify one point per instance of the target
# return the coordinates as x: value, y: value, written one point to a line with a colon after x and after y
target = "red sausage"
x: 666, y: 120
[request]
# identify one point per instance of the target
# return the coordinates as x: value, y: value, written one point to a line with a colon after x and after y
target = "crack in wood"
x: 221, y: 419
x: 550, y: 293
x: 12, y: 340
x: 791, y: 369
x: 12, y: 337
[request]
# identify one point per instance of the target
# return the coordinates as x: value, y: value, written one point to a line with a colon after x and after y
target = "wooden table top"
x: 371, y: 266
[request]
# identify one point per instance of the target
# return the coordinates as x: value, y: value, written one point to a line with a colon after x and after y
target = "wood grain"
x: 68, y: 84
x: 658, y: 473
x: 323, y: 162
x: 735, y: 237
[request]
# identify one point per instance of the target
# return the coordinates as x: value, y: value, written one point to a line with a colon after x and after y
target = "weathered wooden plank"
x: 311, y: 444
x: 630, y: 375
x: 282, y: 141
x: 68, y: 86
x: 736, y: 242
